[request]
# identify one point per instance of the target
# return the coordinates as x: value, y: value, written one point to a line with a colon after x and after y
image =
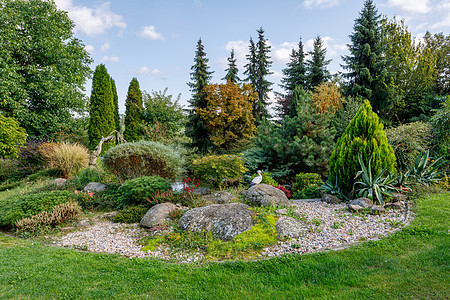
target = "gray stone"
x: 331, y: 199
x: 397, y: 197
x: 94, y: 187
x: 266, y: 195
x: 354, y: 208
x: 281, y: 211
x: 224, y: 221
x: 202, y: 191
x: 364, y: 202
x: 219, y: 197
x: 67, y: 229
x: 292, y: 228
x: 394, y: 205
x: 157, y: 215
x: 84, y: 223
x: 377, y: 209
x: 110, y: 215
x: 59, y: 181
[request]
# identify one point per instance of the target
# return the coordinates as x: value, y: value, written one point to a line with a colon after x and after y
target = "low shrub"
x: 9, y: 186
x: 44, y: 174
x: 17, y: 207
x: 140, y: 190
x: 29, y: 159
x: 306, y: 186
x: 99, y: 201
x: 88, y: 175
x: 61, y: 213
x: 408, y: 141
x: 132, y: 214
x: 143, y: 158
x: 215, y: 168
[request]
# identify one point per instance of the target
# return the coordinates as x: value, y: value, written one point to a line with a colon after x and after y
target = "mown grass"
x: 411, y: 264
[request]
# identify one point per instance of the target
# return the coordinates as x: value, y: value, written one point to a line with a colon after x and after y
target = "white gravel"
x: 332, y: 227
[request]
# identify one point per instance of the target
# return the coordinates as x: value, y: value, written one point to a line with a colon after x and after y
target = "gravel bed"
x: 332, y: 227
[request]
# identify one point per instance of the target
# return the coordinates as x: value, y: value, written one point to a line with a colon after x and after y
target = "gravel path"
x: 333, y: 227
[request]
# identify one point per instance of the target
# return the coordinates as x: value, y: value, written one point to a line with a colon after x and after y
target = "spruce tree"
x: 256, y: 70
x: 298, y: 99
x: 116, y: 104
x: 133, y: 110
x: 232, y: 71
x: 367, y: 75
x: 316, y: 66
x: 101, y: 121
x: 364, y: 135
x: 200, y: 76
x: 295, y: 71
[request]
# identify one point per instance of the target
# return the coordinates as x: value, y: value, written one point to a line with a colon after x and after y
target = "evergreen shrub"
x: 364, y: 135
x: 17, y: 207
x: 140, y: 190
x: 132, y: 214
x: 307, y: 186
x: 215, y: 168
x: 408, y: 141
x: 143, y: 158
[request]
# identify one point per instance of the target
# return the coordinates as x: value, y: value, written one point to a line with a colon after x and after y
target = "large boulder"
x: 219, y: 197
x: 292, y: 228
x: 157, y: 215
x: 224, y: 221
x: 363, y: 202
x: 94, y: 187
x: 266, y: 195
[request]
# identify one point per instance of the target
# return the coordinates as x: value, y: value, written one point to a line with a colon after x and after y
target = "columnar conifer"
x: 133, y: 110
x: 116, y: 104
x: 101, y: 121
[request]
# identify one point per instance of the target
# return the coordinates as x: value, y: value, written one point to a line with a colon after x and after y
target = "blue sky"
x: 155, y: 40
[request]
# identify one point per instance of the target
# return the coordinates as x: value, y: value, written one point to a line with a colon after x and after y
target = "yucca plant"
x: 373, y: 187
x: 425, y: 170
x: 332, y: 188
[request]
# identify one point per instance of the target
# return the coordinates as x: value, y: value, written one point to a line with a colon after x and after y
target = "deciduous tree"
x: 43, y: 66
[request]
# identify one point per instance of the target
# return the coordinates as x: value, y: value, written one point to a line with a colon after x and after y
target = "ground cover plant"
x: 412, y: 263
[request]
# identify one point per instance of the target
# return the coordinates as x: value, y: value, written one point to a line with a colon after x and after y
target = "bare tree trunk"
x: 98, y: 149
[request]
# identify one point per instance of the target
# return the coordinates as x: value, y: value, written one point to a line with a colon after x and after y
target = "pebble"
x: 333, y: 227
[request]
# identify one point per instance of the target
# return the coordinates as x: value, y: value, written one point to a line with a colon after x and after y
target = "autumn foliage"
x: 327, y: 98
x: 228, y: 114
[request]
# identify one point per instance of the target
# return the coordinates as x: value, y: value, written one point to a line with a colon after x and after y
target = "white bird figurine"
x: 257, y: 179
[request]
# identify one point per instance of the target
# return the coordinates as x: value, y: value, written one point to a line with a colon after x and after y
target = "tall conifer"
x: 295, y: 71
x: 200, y: 77
x: 367, y: 75
x: 232, y: 71
x: 316, y: 66
x: 101, y: 121
x: 256, y: 70
x: 133, y: 110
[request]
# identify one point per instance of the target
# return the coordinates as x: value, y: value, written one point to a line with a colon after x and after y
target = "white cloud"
x: 89, y: 48
x: 110, y: 58
x: 146, y: 70
x: 105, y: 47
x: 240, y: 51
x: 149, y: 32
x: 413, y: 6
x: 92, y: 21
x: 444, y: 9
x: 281, y: 53
x: 321, y: 4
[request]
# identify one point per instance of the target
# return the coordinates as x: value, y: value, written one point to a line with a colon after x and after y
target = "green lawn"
x: 411, y: 264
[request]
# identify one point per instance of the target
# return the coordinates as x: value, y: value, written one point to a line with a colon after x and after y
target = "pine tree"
x: 200, y: 76
x: 295, y: 71
x: 232, y: 71
x: 367, y: 76
x: 133, y: 110
x: 298, y: 100
x: 364, y: 135
x: 316, y: 66
x: 116, y: 104
x: 256, y: 70
x: 101, y: 121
